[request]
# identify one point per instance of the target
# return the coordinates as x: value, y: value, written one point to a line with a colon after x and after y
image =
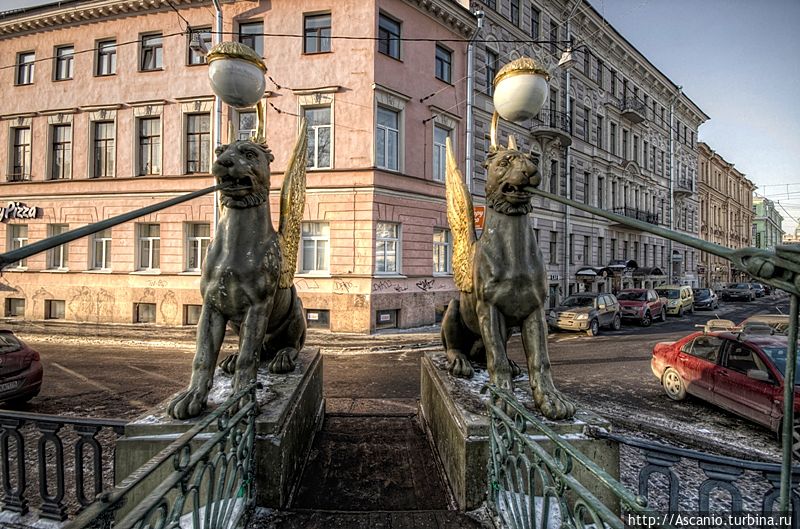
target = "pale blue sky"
x: 738, y: 61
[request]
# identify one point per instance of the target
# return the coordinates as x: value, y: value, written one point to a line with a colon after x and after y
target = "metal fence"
x: 37, y: 470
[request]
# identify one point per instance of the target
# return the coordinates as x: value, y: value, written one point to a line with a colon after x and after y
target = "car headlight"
x: 582, y: 317
x: 672, y: 303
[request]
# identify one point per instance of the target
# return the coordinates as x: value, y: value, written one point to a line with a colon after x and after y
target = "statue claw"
x: 283, y: 361
x: 551, y: 402
x: 459, y: 366
x: 229, y: 364
x: 188, y: 404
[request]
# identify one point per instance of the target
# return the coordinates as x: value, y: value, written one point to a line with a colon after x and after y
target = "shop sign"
x: 479, y: 213
x: 554, y: 277
x: 18, y: 210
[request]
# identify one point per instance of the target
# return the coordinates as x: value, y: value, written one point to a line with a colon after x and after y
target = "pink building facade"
x: 107, y: 108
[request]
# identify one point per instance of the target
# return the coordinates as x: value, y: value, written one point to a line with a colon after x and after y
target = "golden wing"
x: 462, y: 222
x: 293, y: 199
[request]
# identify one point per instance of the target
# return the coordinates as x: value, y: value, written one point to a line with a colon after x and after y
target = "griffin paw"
x: 515, y: 369
x: 188, y: 404
x: 460, y: 367
x: 283, y: 361
x: 229, y: 364
x: 553, y: 404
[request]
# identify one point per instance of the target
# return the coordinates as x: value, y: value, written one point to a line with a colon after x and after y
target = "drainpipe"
x: 471, y: 98
x: 671, y: 180
x: 217, y: 108
x: 568, y: 243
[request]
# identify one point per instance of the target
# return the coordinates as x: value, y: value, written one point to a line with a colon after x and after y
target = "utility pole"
x: 471, y: 100
x: 671, y: 180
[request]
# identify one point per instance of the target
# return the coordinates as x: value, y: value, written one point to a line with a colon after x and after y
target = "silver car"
x: 587, y: 311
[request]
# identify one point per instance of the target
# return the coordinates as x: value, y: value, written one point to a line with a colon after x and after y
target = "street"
x: 608, y: 374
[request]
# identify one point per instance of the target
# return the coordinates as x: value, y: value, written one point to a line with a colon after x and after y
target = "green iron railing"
x: 204, y: 478
x: 531, y: 487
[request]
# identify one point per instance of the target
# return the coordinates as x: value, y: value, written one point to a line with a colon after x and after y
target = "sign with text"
x: 479, y: 213
x: 18, y: 210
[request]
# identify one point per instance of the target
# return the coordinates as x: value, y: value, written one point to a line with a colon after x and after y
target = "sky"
x: 738, y: 61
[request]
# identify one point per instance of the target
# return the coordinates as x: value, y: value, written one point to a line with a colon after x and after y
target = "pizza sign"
x: 479, y: 213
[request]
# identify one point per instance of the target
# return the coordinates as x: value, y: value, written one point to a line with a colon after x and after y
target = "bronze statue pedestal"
x: 291, y: 410
x: 455, y: 416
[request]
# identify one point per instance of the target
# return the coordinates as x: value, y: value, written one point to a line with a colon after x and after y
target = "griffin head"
x: 243, y: 167
x: 509, y: 172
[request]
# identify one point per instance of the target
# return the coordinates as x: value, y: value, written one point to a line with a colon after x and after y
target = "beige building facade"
x: 106, y: 108
x: 726, y: 206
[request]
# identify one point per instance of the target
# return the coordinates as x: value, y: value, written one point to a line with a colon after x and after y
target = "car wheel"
x: 752, y: 298
x: 646, y: 319
x: 680, y: 311
x: 617, y: 323
x: 716, y: 306
x: 673, y: 384
x: 594, y: 328
x: 663, y: 314
x: 691, y: 310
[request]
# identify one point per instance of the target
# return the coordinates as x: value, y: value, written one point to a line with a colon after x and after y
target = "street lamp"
x: 520, y: 91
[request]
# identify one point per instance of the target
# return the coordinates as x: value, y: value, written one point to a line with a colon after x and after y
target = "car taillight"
x: 31, y: 356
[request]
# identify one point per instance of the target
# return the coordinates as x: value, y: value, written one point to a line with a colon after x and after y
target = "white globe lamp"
x: 236, y: 74
x: 520, y: 89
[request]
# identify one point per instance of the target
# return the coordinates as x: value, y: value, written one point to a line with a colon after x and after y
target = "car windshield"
x: 778, y: 357
x: 579, y: 301
x: 8, y: 343
x: 669, y: 294
x: 738, y: 285
x: 632, y: 296
x: 702, y: 292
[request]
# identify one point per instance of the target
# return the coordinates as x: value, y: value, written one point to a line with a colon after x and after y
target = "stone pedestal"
x: 291, y: 412
x: 455, y: 415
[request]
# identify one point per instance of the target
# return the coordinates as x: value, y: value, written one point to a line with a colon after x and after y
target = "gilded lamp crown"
x: 235, y: 50
x: 523, y: 65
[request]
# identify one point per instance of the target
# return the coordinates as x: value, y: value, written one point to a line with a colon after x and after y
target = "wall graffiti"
x: 307, y: 284
x: 342, y: 286
x: 81, y: 304
x: 40, y: 295
x: 169, y: 308
x: 105, y: 305
x: 425, y: 284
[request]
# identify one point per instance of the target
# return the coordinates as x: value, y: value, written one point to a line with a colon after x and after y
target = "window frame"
x: 49, y: 306
x: 11, y: 308
x: 197, y: 245
x: 388, y: 38
x: 17, y: 237
x: 536, y: 22
x: 490, y: 69
x: 312, y: 162
x: 103, y: 239
x: 317, y: 34
x: 323, y: 237
x: 148, y: 245
x: 140, y: 147
x: 192, y: 55
x: 25, y: 69
x: 60, y: 150
x: 445, y: 246
x: 256, y: 37
x: 105, y: 56
x: 60, y: 58
x: 440, y: 149
x: 514, y: 11
x: 239, y: 129
x: 387, y: 132
x: 198, y: 136
x: 157, y: 50
x: 58, y: 257
x: 384, y: 240
x: 21, y: 154
x: 137, y: 313
x: 443, y: 64
x: 108, y: 143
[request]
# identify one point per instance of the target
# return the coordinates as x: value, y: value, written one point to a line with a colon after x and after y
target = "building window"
x: 536, y: 16
x: 515, y: 12
x: 387, y: 141
x: 25, y: 64
x: 17, y: 238
x: 600, y: 73
x: 61, y: 153
x: 318, y: 318
x: 387, y: 247
x: 553, y: 247
x: 442, y: 259
x: 103, y: 149
x: 149, y: 146
x: 144, y: 313
x: 198, y: 237
x: 15, y: 308
x: 152, y: 52
x: 54, y: 309
x: 204, y: 38
x: 389, y: 36
x: 107, y: 57
x: 601, y: 251
x: 444, y: 64
x: 613, y: 138
x: 571, y: 248
x: 600, y: 132
x: 62, y: 69
x: 586, y: 254
x: 601, y: 191
x: 191, y: 314
x: 315, y: 247
x: 198, y: 143
x: 101, y: 250
x: 636, y: 148
x: 587, y: 124
x: 612, y: 75
x: 554, y: 177
x: 386, y: 319
x: 149, y: 246
x: 21, y: 157
x: 491, y: 71
x: 624, y: 144
x: 247, y: 125
x: 251, y: 34
x: 440, y: 135
x: 319, y: 129
x: 586, y: 190
x: 491, y: 4
x: 553, y: 37
x: 317, y: 33
x: 57, y: 258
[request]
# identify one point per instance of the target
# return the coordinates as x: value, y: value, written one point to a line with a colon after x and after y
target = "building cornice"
x: 449, y: 12
x: 47, y: 16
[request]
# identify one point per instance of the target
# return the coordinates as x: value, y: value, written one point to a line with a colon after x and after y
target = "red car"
x: 20, y: 369
x: 742, y: 373
x: 642, y: 304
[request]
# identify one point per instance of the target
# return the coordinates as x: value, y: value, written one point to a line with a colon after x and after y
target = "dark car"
x: 776, y: 323
x: 738, y: 291
x: 642, y: 304
x: 705, y: 298
x: 742, y: 373
x: 586, y: 311
x: 759, y: 289
x: 20, y: 369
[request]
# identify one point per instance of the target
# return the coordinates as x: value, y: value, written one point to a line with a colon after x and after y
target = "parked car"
x: 759, y: 290
x: 739, y: 372
x: 679, y: 298
x: 705, y: 298
x: 778, y: 323
x: 587, y: 311
x: 20, y: 369
x: 738, y: 291
x: 643, y: 305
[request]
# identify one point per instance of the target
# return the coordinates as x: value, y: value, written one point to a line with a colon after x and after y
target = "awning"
x: 619, y: 265
x: 588, y: 272
x: 643, y: 271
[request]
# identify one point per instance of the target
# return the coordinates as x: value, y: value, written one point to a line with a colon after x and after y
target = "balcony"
x: 551, y: 124
x: 632, y: 109
x: 638, y: 214
x: 683, y: 187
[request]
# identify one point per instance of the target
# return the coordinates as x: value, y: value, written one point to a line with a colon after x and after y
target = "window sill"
x: 190, y: 273
x: 64, y: 79
x: 55, y: 270
x: 105, y: 74
x: 23, y: 84
x: 390, y: 275
x: 17, y: 269
x: 99, y: 271
x: 325, y: 52
x: 443, y: 274
x: 153, y: 272
x: 314, y: 169
x: 151, y: 70
x: 315, y: 275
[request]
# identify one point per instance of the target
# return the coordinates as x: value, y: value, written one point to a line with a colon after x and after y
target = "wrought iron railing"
x: 638, y: 214
x: 691, y: 481
x: 207, y: 478
x: 32, y: 452
x: 684, y: 185
x: 632, y: 104
x: 552, y: 119
x: 531, y: 487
